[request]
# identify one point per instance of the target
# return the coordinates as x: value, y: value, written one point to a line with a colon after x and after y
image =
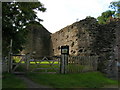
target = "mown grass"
x: 44, y: 68
x: 82, y: 80
x: 11, y: 81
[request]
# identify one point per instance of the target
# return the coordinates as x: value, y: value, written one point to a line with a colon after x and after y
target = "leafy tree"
x: 15, y: 17
x: 116, y: 7
x: 105, y: 17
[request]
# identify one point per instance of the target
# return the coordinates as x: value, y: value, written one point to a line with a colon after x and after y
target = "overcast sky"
x: 61, y: 13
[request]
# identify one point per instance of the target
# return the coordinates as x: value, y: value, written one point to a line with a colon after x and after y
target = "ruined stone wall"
x: 38, y: 41
x: 66, y: 36
x: 117, y: 44
x: 77, y: 36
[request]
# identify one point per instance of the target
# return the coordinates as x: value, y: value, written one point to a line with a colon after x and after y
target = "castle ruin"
x: 77, y: 36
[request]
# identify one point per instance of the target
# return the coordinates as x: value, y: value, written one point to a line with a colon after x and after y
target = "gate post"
x: 9, y: 58
x: 27, y: 61
x: 9, y: 63
x: 64, y: 59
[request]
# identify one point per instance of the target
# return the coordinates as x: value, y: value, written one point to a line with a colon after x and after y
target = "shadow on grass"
x: 11, y: 81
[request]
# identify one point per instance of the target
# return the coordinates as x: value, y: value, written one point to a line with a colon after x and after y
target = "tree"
x: 105, y: 17
x: 116, y: 7
x: 15, y: 17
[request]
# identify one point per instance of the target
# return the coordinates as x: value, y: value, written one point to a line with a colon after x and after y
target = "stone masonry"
x: 76, y: 36
x: 117, y: 44
x: 38, y: 41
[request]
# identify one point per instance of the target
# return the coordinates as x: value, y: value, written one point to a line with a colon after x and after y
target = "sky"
x: 61, y: 13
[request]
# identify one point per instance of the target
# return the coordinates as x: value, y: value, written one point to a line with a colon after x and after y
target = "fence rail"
x: 77, y: 64
x: 24, y: 63
x: 72, y: 64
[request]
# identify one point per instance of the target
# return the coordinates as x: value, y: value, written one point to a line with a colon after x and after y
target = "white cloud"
x: 61, y: 13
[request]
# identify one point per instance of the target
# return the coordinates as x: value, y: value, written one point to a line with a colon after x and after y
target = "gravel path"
x: 30, y: 83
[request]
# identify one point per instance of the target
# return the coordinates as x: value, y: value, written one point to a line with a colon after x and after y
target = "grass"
x: 44, y: 68
x: 78, y: 68
x: 11, y: 81
x: 83, y: 80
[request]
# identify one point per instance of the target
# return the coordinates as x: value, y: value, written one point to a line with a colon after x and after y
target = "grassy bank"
x: 83, y: 80
x: 11, y: 81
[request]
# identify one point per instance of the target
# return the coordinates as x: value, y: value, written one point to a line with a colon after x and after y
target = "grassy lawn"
x: 11, y: 81
x: 83, y: 80
x: 73, y: 80
x: 44, y: 68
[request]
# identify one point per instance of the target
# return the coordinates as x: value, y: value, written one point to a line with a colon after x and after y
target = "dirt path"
x: 30, y: 83
x: 111, y: 86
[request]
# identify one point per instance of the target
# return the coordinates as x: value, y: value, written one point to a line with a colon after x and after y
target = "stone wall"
x: 77, y: 36
x: 117, y: 44
x: 66, y: 36
x: 38, y: 41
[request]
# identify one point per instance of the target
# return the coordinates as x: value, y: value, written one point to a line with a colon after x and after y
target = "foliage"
x: 116, y: 7
x: 105, y: 17
x: 11, y: 81
x: 81, y: 80
x: 15, y: 17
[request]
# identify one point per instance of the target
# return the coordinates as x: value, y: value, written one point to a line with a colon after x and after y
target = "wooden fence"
x: 77, y: 64
x: 24, y: 63
x: 57, y: 64
x: 44, y: 65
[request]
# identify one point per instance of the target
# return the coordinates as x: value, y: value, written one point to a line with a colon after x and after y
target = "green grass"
x: 83, y: 80
x: 44, y: 62
x: 11, y: 81
x: 73, y: 68
x: 47, y: 68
